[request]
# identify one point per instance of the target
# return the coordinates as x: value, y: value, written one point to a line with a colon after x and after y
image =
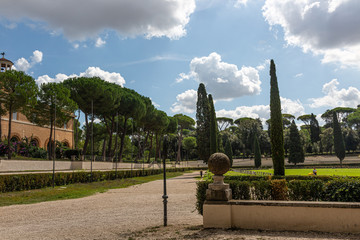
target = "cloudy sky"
x: 163, y: 49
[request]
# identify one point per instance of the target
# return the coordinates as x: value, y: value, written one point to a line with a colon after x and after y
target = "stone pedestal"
x: 218, y: 190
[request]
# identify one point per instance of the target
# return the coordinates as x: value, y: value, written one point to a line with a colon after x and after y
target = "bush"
x: 71, y: 152
x: 294, y: 188
x: 19, y: 182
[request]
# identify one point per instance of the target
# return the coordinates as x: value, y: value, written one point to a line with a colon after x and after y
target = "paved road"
x: 108, y: 215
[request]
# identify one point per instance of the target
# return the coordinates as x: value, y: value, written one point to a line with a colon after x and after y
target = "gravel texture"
x: 129, y: 213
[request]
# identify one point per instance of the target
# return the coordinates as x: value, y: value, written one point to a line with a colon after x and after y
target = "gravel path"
x: 129, y: 213
x: 106, y: 215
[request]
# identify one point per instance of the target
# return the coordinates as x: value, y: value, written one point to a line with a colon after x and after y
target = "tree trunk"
x: 103, y: 149
x: 77, y: 133
x: 150, y: 148
x: 111, y: 131
x: 122, y: 139
x: 87, y: 134
x: 9, y: 133
x: 178, y: 157
x: 50, y: 144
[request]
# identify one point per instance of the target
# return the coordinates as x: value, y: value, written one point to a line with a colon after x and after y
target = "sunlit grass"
x: 353, y: 172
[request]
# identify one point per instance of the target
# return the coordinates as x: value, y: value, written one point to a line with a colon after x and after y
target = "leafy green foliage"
x: 17, y: 93
x: 203, y: 123
x: 10, y: 183
x: 276, y: 134
x: 213, y: 127
x: 228, y: 151
x: 296, y: 151
x: 339, y: 144
x: 257, y: 152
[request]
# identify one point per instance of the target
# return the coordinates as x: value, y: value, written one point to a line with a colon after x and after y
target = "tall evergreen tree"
x: 213, y: 127
x: 228, y: 151
x: 276, y: 134
x: 314, y: 129
x: 257, y: 152
x: 296, y: 150
x: 339, y: 144
x: 203, y: 123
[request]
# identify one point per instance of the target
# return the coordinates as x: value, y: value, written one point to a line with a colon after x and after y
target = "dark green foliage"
x: 306, y: 190
x: 351, y: 141
x: 213, y: 127
x: 72, y: 152
x: 228, y: 151
x: 203, y: 123
x: 314, y: 129
x: 296, y: 151
x: 184, y: 122
x: 19, y: 182
x: 293, y: 188
x: 339, y: 144
x: 17, y: 93
x: 342, y: 190
x: 257, y: 152
x: 276, y: 134
x: 240, y: 190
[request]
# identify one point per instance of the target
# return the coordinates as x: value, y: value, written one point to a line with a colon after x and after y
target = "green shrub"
x: 19, y: 182
x: 279, y: 189
x: 261, y: 190
x: 201, y: 195
x: 342, y: 190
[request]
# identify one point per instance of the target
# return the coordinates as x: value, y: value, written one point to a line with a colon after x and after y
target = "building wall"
x: 21, y: 128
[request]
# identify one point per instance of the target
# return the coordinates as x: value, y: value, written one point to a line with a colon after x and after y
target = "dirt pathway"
x: 130, y: 213
x: 107, y: 215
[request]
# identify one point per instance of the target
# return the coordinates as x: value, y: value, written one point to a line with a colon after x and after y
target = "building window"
x: 14, y: 116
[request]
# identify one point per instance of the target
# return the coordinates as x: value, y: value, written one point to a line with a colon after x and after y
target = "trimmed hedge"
x: 19, y: 182
x: 293, y: 188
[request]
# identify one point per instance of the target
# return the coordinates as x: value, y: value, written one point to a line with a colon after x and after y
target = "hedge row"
x: 294, y: 188
x: 19, y: 182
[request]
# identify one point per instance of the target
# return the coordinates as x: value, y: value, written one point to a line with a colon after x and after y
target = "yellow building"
x: 21, y: 127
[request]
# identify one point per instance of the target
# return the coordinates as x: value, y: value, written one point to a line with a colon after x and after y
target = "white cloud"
x: 263, y: 65
x: 223, y: 80
x: 24, y: 65
x: 81, y: 19
x: 293, y: 107
x: 263, y: 111
x: 112, y: 77
x: 336, y: 98
x: 240, y: 3
x: 99, y: 42
x: 298, y: 75
x: 326, y: 28
x: 185, y: 102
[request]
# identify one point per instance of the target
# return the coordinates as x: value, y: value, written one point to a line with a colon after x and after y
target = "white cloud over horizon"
x: 325, y: 28
x: 185, y: 102
x: 23, y: 64
x: 112, y: 77
x: 335, y: 97
x: 79, y: 20
x: 223, y: 80
x: 99, y: 42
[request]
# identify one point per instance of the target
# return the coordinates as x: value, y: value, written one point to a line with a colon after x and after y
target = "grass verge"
x: 77, y: 190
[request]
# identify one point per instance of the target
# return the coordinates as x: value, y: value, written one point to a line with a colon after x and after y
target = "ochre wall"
x: 23, y: 128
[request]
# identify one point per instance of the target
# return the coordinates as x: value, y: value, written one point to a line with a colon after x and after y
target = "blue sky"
x: 163, y: 49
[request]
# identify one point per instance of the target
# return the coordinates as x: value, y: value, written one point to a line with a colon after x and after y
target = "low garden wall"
x: 283, y: 215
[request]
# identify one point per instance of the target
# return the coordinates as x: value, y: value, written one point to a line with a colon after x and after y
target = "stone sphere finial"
x: 219, y: 163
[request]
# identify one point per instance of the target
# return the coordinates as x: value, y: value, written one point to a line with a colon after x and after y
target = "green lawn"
x: 320, y: 171
x: 74, y: 190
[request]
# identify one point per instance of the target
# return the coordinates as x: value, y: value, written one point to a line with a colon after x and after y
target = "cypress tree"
x: 203, y: 123
x: 257, y: 152
x: 228, y: 151
x: 296, y: 151
x: 314, y: 129
x: 339, y: 144
x: 213, y: 127
x: 276, y: 123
